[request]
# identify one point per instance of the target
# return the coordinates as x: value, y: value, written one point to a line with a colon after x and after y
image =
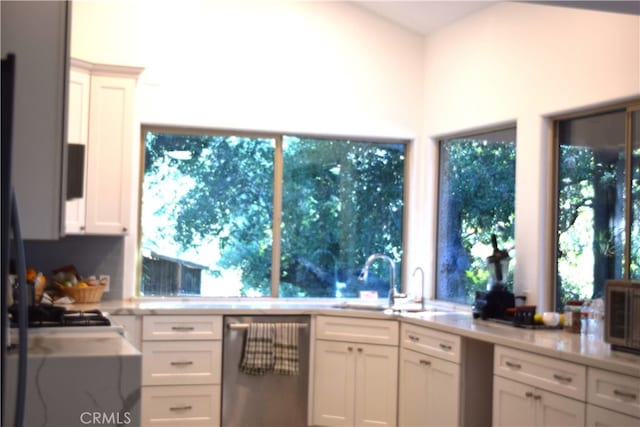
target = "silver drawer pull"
x: 414, y: 338
x: 181, y: 408
x: 562, y: 378
x: 445, y: 347
x: 182, y: 328
x: 186, y: 362
x: 513, y: 365
x: 425, y: 362
x: 625, y: 394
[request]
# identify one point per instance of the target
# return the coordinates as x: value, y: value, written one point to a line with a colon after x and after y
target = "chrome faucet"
x: 422, y: 299
x: 392, y: 268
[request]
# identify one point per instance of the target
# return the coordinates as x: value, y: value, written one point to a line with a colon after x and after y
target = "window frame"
x: 438, y: 142
x: 629, y: 107
x: 278, y: 183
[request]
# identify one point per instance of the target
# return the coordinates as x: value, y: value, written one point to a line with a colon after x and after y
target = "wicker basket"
x: 84, y: 295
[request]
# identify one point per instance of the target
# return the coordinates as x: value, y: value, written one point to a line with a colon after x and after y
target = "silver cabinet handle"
x: 186, y: 362
x: 182, y: 328
x: 425, y: 362
x: 445, y: 347
x: 513, y: 365
x: 180, y: 408
x: 562, y: 378
x: 625, y: 394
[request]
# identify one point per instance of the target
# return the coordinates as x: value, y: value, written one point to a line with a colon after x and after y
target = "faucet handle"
x: 399, y: 295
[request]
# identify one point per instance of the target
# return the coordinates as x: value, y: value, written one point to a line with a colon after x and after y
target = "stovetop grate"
x: 52, y: 316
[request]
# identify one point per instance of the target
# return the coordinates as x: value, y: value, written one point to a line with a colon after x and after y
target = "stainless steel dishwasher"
x: 269, y: 400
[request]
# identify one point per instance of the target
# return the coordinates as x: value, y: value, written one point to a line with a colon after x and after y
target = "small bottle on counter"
x: 572, y: 317
x: 585, y: 315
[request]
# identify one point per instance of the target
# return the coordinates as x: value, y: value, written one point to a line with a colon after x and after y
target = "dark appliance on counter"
x: 493, y: 304
x: 622, y: 315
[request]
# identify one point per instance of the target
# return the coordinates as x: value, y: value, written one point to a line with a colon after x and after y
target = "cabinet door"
x: 519, y: 404
x: 414, y: 389
x: 78, y: 133
x: 38, y: 34
x: 513, y: 404
x: 429, y: 391
x: 376, y: 388
x: 109, y: 165
x: 334, y: 381
x: 444, y: 393
x: 555, y: 410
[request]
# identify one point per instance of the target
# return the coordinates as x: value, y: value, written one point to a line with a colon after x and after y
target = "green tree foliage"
x: 341, y: 201
x: 477, y: 186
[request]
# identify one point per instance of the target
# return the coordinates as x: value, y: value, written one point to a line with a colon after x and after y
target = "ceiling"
x: 428, y: 16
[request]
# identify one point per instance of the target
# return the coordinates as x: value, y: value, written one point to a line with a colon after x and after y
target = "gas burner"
x: 85, y: 318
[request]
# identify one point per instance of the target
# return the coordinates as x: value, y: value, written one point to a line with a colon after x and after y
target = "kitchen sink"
x: 398, y: 308
x: 370, y: 306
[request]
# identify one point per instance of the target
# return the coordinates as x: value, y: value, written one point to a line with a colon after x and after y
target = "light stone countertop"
x: 61, y: 343
x: 72, y: 375
x: 577, y: 348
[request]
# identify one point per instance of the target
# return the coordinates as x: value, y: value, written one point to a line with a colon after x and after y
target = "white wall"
x: 313, y: 67
x: 522, y: 63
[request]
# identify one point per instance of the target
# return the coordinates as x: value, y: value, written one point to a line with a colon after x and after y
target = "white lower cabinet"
x: 429, y: 391
x: 132, y: 326
x: 444, y: 379
x: 181, y: 370
x: 613, y: 399
x: 355, y: 383
x: 517, y: 404
x: 532, y: 390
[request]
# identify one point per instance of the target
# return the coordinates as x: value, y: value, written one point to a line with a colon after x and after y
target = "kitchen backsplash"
x: 92, y: 255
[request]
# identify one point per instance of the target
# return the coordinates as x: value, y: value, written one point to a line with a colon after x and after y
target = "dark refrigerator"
x: 13, y: 395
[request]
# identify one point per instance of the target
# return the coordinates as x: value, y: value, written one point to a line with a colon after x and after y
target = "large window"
x: 598, y: 185
x: 288, y: 216
x: 475, y: 200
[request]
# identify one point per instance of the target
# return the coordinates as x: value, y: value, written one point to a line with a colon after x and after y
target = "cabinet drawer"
x: 181, y: 362
x: 194, y: 405
x: 614, y: 391
x: 435, y: 343
x: 600, y: 417
x: 350, y: 329
x: 565, y: 378
x: 182, y: 328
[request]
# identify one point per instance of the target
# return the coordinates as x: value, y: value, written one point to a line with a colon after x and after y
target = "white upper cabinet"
x: 101, y: 116
x: 38, y: 34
